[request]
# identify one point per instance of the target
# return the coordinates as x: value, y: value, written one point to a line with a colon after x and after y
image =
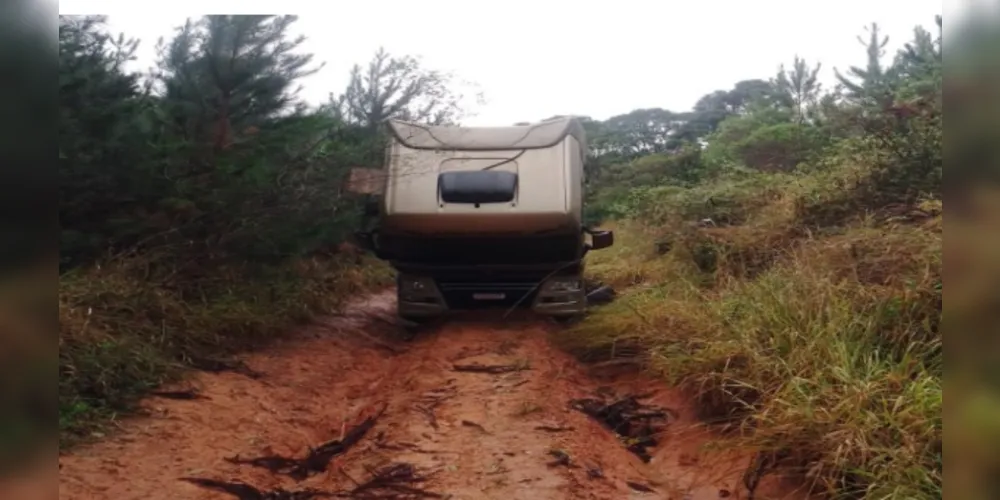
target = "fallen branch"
x: 595, y: 471
x: 630, y: 361
x: 553, y: 428
x: 318, y: 458
x: 429, y: 413
x: 760, y: 464
x: 245, y: 491
x: 188, y: 394
x: 390, y: 446
x: 377, y: 342
x: 220, y: 365
x: 491, y: 369
x: 469, y: 423
x: 411, y: 447
x: 638, y: 423
x: 467, y: 353
x: 640, y: 487
x: 430, y: 400
x: 561, y: 459
x: 393, y: 481
x: 600, y: 296
x: 391, y: 321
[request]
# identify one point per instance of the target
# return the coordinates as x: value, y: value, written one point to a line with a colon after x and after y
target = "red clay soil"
x: 470, y: 435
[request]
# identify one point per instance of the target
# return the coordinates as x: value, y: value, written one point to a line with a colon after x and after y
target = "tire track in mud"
x: 468, y: 434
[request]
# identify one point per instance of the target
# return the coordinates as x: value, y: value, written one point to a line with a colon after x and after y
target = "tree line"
x: 777, y: 124
x: 212, y: 154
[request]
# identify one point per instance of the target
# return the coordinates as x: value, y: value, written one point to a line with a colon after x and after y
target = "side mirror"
x: 601, y: 239
x: 371, y: 208
x: 365, y: 240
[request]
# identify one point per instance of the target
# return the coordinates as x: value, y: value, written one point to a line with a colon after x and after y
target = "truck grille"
x: 479, y: 295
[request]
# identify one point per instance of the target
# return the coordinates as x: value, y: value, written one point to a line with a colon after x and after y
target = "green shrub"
x: 782, y: 147
x: 124, y: 331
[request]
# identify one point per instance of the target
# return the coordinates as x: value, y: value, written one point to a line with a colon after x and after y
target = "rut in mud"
x: 474, y: 409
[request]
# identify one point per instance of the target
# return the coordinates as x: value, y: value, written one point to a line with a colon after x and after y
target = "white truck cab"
x: 476, y: 217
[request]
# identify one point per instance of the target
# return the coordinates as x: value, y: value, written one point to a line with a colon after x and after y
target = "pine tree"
x: 920, y: 61
x: 801, y: 86
x: 223, y: 74
x: 101, y: 145
x: 870, y: 85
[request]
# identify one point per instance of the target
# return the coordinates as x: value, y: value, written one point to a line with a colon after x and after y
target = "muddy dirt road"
x: 472, y: 410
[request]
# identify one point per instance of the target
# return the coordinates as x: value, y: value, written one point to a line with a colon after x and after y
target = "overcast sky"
x: 535, y: 59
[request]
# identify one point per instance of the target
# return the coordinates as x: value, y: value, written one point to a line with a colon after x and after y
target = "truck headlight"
x: 414, y: 285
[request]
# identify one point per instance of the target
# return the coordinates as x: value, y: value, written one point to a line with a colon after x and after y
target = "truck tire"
x: 567, y: 320
x: 412, y: 326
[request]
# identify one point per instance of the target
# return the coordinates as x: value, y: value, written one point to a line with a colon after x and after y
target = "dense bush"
x: 792, y: 281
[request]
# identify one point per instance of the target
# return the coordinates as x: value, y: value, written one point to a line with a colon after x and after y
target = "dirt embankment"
x: 474, y: 410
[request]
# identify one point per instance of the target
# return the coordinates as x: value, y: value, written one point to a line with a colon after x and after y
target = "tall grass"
x: 820, y: 344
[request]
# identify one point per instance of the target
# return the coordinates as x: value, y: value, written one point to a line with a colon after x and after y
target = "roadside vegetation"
x: 787, y: 274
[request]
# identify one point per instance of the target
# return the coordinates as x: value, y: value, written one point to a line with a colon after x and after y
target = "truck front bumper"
x: 408, y: 309
x: 560, y: 303
x: 426, y: 295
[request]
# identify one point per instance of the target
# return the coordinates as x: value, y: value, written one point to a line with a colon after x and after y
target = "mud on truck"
x: 480, y: 217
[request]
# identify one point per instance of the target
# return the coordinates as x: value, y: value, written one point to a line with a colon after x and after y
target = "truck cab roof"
x: 517, y: 137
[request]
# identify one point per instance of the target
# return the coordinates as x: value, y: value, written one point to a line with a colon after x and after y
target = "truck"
x: 482, y: 217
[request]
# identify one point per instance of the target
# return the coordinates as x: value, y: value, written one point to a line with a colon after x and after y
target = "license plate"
x: 489, y: 296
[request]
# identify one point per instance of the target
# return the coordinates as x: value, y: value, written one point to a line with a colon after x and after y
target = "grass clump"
x: 124, y: 332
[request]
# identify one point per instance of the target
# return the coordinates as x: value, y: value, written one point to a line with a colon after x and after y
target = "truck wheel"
x: 412, y: 326
x: 567, y: 320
